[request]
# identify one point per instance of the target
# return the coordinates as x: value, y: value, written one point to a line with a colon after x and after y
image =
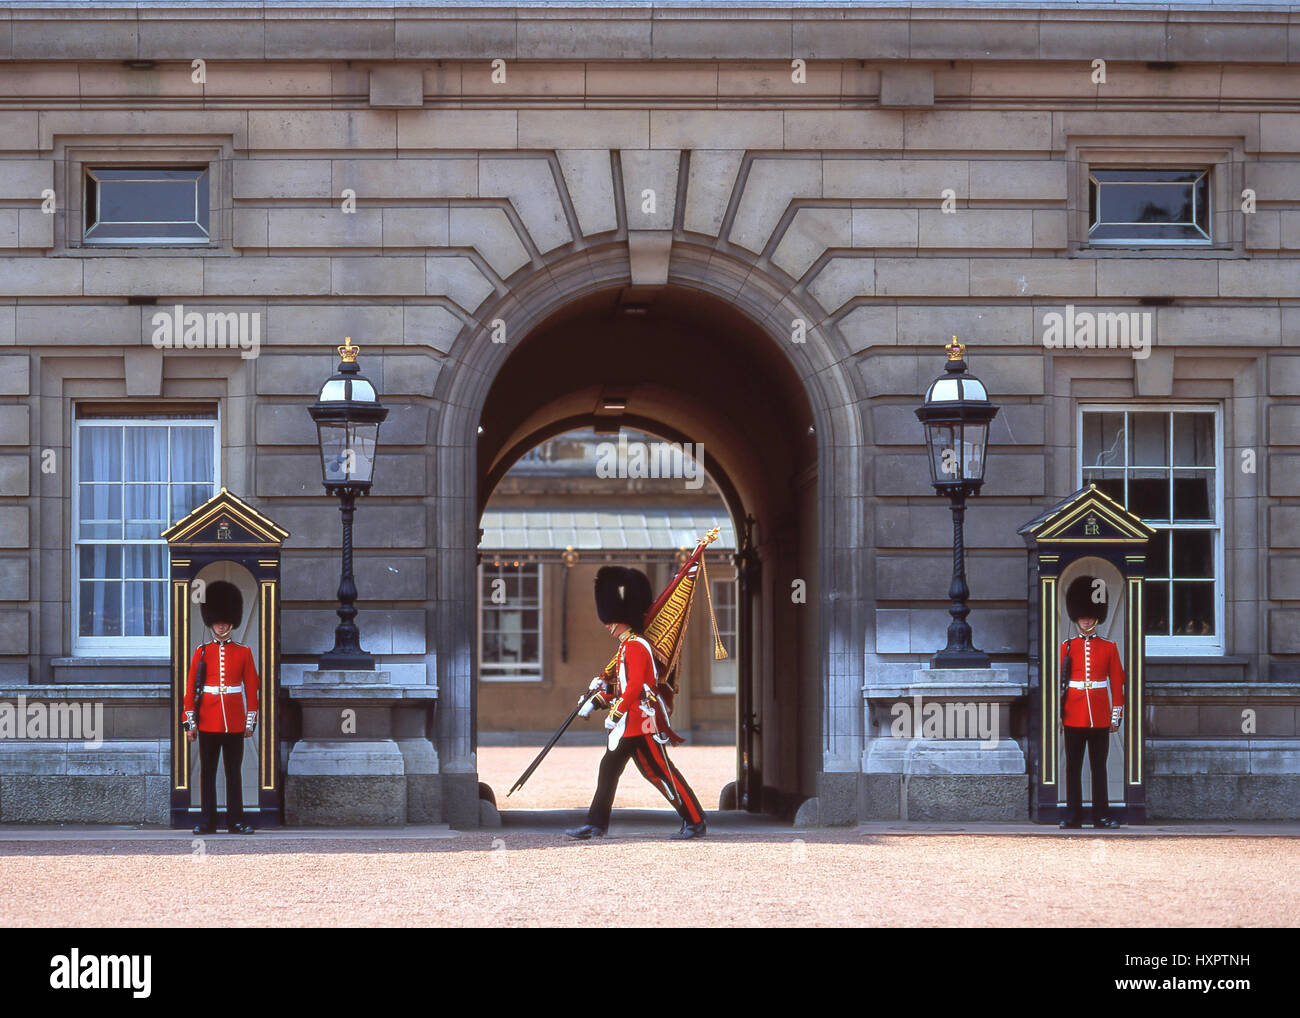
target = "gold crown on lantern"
x: 348, y: 351
x: 955, y: 350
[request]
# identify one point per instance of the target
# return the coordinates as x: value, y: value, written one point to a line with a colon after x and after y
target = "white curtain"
x: 146, y: 456
x: 101, y: 460
x: 138, y: 480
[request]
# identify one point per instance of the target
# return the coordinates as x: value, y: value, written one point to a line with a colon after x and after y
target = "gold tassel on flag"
x: 719, y: 651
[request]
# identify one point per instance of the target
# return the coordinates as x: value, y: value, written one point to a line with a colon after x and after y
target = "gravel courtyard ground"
x: 514, y: 878
x: 744, y: 873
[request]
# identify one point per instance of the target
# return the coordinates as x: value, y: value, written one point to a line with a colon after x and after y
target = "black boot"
x: 690, y: 831
x: 205, y: 829
x: 1069, y: 824
x: 1106, y: 823
x: 241, y: 829
x: 585, y: 832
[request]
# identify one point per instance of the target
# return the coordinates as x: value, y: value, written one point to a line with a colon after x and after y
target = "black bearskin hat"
x: 1079, y: 602
x: 622, y: 595
x: 222, y: 602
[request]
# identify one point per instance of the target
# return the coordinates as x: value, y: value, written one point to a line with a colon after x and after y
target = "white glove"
x: 598, y: 683
x: 587, y: 708
x: 611, y: 724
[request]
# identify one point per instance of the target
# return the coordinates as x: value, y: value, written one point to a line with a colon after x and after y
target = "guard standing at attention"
x: 638, y: 721
x: 1092, y: 705
x: 227, y: 711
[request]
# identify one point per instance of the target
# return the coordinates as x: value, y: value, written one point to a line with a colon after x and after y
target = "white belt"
x: 1087, y: 685
x: 219, y: 690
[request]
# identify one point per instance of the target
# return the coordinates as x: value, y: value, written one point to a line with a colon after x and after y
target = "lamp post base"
x: 347, y: 661
x: 960, y: 658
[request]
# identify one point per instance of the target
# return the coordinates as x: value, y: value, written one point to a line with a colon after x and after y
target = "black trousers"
x: 652, y: 761
x: 231, y: 747
x: 1097, y: 741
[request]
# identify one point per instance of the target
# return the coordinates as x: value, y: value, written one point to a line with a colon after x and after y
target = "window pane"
x: 145, y: 511
x: 1148, y: 494
x: 145, y: 502
x: 146, y: 204
x: 147, y: 201
x: 1103, y: 440
x: 529, y: 647
x: 145, y: 561
x: 1149, y: 205
x: 1193, y: 496
x: 1193, y: 554
x: 1193, y: 609
x: 101, y: 454
x: 146, y: 454
x: 1146, y: 203
x: 1149, y: 441
x: 145, y: 612
x: 1109, y: 481
x: 100, y: 561
x: 1158, y: 555
x: 1193, y: 440
x: 1157, y: 598
x: 101, y: 609
x: 188, y: 497
x: 101, y: 511
x: 192, y: 454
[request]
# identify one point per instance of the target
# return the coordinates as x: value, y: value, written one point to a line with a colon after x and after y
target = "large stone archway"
x: 816, y: 751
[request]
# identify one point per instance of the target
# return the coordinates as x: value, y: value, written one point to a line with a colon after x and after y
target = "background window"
x: 135, y: 477
x: 146, y: 206
x: 1169, y: 206
x: 1164, y: 466
x: 510, y: 613
x: 722, y: 674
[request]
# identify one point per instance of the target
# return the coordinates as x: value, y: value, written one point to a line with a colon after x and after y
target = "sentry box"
x: 1087, y: 534
x: 227, y: 539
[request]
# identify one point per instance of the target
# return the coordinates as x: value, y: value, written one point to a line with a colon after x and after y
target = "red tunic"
x: 230, y: 667
x: 636, y: 678
x: 1092, y: 660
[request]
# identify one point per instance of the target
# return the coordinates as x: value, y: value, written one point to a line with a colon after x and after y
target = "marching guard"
x: 1092, y: 706
x: 638, y: 719
x: 227, y: 711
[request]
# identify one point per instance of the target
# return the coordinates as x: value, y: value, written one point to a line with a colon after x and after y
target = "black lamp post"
x: 956, y: 415
x: 347, y: 415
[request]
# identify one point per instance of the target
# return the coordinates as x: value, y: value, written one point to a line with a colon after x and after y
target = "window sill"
x: 1186, y: 668
x: 1160, y: 251
x: 86, y: 670
x: 142, y: 251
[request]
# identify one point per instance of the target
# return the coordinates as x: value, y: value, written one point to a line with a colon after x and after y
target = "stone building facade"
x: 752, y: 228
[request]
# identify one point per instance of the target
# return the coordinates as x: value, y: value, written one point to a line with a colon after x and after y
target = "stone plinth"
x: 363, y: 757
x: 941, y: 747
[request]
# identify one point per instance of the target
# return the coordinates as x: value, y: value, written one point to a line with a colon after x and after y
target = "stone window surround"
x: 67, y: 379
x: 540, y: 677
x: 1223, y: 156
x: 1173, y: 646
x: 115, y: 646
x: 73, y: 154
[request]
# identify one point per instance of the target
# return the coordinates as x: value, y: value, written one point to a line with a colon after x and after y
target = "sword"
x: 550, y: 745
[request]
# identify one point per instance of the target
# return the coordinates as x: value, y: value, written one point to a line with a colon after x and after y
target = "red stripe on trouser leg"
x: 649, y: 768
x: 694, y: 814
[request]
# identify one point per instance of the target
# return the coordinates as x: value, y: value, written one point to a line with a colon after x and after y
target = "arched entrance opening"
x: 572, y: 504
x: 689, y: 367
